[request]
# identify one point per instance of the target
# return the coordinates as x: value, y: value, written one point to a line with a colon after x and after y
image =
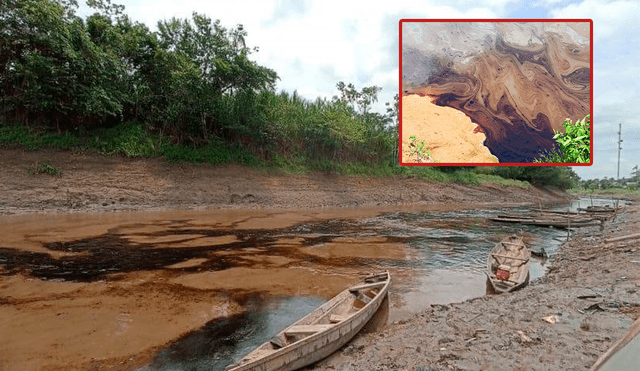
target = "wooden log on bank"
x: 622, y: 238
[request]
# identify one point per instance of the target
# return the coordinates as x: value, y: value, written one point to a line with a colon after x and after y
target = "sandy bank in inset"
x: 449, y: 134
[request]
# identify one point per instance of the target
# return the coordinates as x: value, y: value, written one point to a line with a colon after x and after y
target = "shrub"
x: 573, y: 146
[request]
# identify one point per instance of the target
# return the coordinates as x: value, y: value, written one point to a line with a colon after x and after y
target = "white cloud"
x: 609, y: 18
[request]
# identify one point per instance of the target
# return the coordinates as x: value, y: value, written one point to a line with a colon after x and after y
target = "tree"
x: 58, y: 68
x: 393, y: 110
x: 201, y: 66
x: 359, y: 101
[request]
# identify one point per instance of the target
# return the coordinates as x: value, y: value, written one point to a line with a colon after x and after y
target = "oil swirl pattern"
x: 517, y: 81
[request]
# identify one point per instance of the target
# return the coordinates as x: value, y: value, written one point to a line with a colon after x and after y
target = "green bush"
x: 573, y: 146
x: 45, y: 167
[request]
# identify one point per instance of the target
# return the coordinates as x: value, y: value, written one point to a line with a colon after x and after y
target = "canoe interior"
x: 512, y: 255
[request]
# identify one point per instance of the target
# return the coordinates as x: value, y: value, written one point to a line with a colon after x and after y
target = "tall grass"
x: 323, y: 130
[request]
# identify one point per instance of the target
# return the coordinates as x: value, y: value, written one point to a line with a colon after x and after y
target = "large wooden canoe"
x: 542, y: 220
x: 322, y: 331
x: 508, y: 264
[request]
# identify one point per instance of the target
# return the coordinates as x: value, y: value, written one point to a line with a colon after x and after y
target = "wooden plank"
x: 377, y: 275
x: 368, y: 286
x: 508, y: 282
x: 601, y: 363
x: 511, y: 243
x: 306, y: 329
x: 508, y: 257
x: 278, y: 341
x: 334, y: 318
x: 362, y: 297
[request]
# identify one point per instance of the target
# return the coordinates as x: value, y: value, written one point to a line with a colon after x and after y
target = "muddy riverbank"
x: 119, y: 264
x: 563, y: 321
x: 94, y: 183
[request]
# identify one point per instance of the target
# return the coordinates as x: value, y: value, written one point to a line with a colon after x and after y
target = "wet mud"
x: 517, y: 81
x: 220, y: 283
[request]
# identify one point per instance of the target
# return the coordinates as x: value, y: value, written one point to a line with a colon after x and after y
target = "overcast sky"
x: 312, y: 45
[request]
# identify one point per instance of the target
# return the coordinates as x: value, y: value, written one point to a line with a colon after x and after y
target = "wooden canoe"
x: 545, y: 221
x: 599, y: 209
x: 321, y: 332
x: 623, y: 354
x: 511, y: 255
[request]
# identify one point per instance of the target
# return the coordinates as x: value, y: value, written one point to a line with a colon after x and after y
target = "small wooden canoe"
x: 508, y: 264
x: 322, y: 331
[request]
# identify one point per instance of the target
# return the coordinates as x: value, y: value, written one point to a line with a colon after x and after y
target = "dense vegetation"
x: 189, y: 92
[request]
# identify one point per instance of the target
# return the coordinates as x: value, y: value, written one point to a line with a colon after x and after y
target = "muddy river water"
x: 198, y: 289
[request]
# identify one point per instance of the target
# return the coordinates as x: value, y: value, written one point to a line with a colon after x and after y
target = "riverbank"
x: 86, y: 286
x: 96, y: 183
x: 564, y: 321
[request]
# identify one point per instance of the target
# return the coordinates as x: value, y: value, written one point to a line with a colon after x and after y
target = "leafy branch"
x: 573, y: 146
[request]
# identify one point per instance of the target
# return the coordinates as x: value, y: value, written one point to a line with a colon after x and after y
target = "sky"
x: 313, y: 45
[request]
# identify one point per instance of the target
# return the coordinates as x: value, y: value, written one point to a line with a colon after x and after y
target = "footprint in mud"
x: 123, y: 323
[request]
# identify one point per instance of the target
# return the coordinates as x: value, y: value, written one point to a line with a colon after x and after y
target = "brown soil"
x: 565, y: 321
x: 99, y: 183
x: 120, y: 322
x: 449, y: 135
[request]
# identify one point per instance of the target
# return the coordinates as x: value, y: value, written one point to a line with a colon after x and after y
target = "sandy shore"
x: 449, y: 134
x: 94, y: 183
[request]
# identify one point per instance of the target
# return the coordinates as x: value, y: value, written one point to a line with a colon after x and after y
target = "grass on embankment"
x: 132, y: 141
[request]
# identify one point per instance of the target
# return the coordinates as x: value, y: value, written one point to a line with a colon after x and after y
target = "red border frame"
x: 590, y: 21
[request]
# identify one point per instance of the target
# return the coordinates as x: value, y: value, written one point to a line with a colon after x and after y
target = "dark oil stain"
x: 95, y: 258
x: 224, y: 340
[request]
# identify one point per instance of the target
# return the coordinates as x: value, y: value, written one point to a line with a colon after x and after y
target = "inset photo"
x: 498, y: 92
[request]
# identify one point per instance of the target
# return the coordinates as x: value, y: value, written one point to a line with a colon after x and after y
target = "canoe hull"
x: 319, y: 345
x: 513, y: 252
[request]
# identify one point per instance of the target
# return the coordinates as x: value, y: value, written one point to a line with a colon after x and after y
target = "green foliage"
x: 558, y: 176
x: 465, y: 176
x: 419, y: 149
x: 57, y: 69
x: 573, y: 146
x: 128, y: 139
x: 636, y: 173
x: 45, y: 167
x: 33, y: 138
x: 323, y: 130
